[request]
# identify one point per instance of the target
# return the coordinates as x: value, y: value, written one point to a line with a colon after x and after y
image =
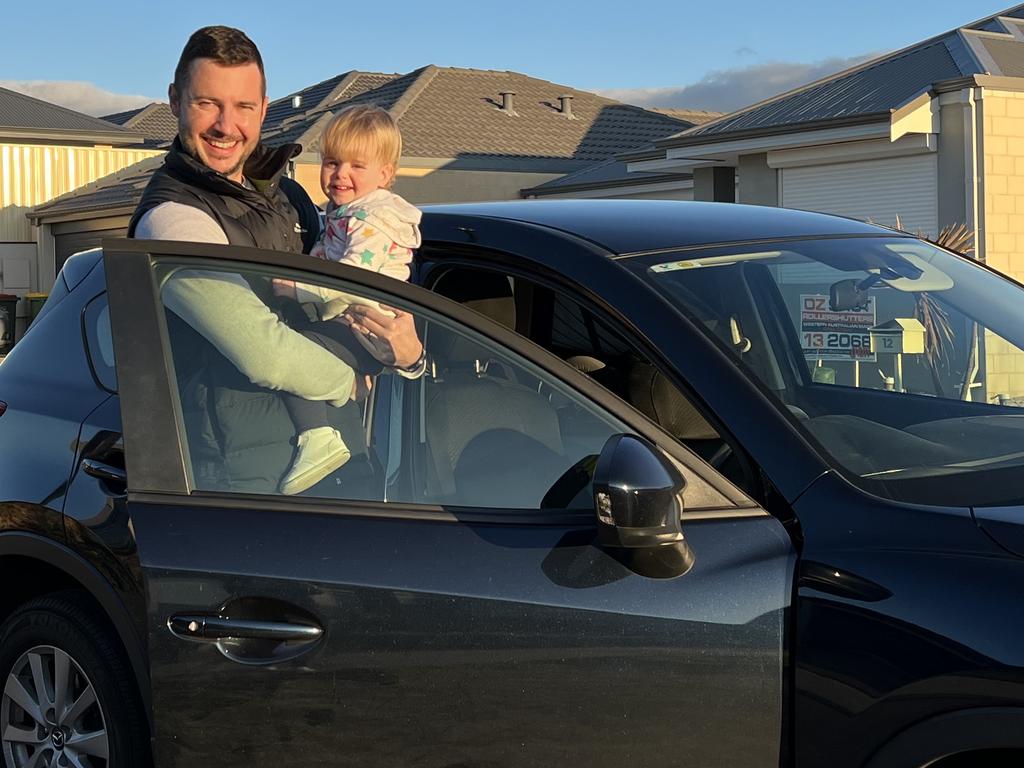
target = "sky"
x: 111, y: 56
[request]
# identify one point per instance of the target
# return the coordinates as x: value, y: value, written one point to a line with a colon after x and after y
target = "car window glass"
x: 557, y: 321
x: 481, y: 427
x: 902, y: 360
x: 99, y: 342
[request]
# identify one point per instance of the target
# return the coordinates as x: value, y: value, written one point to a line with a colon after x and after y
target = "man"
x: 219, y: 185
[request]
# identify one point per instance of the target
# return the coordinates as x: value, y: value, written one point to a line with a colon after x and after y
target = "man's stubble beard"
x: 193, y: 150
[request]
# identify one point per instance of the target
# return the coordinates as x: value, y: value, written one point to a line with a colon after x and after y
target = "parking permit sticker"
x: 673, y: 266
x: 829, y: 335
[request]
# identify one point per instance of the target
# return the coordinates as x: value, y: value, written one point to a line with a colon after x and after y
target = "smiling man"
x: 218, y: 184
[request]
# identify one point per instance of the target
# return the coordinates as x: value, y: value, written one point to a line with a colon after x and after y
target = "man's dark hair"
x: 227, y: 46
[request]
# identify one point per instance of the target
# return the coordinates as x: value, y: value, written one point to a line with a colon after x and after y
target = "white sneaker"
x: 320, y: 452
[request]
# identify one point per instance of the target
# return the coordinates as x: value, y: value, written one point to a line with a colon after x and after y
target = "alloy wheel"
x: 50, y: 716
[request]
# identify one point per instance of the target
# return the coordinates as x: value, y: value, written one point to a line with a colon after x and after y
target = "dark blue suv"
x: 678, y: 484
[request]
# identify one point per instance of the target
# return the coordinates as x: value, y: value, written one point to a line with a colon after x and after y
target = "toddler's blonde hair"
x: 363, y: 130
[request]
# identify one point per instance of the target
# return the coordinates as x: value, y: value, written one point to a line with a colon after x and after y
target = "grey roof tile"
x: 321, y: 96
x: 155, y: 121
x: 447, y: 112
x: 444, y: 113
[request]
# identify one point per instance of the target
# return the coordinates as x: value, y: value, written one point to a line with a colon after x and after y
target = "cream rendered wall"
x: 423, y: 186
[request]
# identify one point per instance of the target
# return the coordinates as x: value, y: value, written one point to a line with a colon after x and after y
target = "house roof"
x: 117, y: 193
x: 456, y: 113
x: 446, y: 114
x: 155, y: 121
x: 603, y: 175
x: 870, y: 91
x: 614, y: 171
x: 24, y: 117
x: 321, y: 96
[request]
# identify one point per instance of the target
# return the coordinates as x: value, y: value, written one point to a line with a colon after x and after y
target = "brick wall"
x: 1004, y: 226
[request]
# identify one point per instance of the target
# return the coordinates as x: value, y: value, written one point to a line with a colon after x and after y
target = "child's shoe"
x: 320, y: 452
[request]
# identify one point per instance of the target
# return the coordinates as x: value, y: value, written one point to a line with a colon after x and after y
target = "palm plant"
x: 938, y: 332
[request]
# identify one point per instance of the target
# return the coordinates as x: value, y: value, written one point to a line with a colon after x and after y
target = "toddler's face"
x: 345, y: 179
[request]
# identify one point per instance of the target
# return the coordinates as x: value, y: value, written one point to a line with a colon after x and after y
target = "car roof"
x: 636, y: 226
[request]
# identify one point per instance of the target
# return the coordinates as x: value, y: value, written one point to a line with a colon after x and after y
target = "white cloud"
x: 79, y: 96
x: 726, y: 90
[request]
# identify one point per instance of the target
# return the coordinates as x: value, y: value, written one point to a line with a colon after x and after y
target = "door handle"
x: 213, y: 627
x: 104, y: 471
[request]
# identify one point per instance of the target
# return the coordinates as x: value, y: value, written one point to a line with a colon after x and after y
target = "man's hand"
x: 393, y: 331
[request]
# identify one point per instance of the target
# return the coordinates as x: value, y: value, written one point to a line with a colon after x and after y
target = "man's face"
x: 220, y: 112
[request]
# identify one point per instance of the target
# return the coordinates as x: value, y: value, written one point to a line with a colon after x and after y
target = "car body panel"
x: 878, y: 646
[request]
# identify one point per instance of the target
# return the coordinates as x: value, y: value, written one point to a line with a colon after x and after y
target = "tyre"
x: 68, y: 696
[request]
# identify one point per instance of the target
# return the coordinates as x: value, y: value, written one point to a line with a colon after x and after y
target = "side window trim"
x: 96, y: 321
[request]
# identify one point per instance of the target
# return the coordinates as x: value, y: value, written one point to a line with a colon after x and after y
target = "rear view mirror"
x: 846, y: 295
x: 638, y: 499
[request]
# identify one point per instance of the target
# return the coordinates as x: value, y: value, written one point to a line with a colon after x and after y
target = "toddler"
x: 367, y: 226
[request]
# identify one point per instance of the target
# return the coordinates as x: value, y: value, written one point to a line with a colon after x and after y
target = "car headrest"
x: 658, y: 399
x: 488, y: 293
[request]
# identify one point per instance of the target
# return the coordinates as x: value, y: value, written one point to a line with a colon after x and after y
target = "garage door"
x: 875, y: 190
x: 65, y: 245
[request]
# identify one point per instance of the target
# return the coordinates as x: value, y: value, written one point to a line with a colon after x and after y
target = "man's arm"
x: 225, y: 311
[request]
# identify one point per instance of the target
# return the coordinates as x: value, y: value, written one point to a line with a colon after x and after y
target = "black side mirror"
x: 638, y: 499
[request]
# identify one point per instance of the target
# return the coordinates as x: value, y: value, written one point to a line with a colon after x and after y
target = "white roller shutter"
x: 876, y: 190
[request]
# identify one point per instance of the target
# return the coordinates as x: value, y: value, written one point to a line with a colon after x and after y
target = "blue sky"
x: 626, y: 48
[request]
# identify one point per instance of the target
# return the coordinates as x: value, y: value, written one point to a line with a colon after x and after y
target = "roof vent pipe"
x: 296, y: 102
x: 565, y: 105
x: 506, y: 102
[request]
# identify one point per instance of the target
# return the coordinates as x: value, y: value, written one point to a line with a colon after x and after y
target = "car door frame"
x: 154, y: 448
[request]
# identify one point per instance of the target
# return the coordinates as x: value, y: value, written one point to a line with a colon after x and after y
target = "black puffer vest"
x: 239, y: 434
x: 277, y: 214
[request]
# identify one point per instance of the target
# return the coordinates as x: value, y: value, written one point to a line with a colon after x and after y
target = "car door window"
x: 481, y: 427
x: 560, y: 323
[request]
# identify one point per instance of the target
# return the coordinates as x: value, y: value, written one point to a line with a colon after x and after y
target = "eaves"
x: 120, y: 139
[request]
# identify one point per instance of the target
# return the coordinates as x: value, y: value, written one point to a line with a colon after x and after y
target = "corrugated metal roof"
x: 876, y: 89
x: 18, y: 111
x: 877, y: 86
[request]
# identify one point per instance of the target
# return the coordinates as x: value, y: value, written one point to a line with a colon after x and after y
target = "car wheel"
x: 69, y: 697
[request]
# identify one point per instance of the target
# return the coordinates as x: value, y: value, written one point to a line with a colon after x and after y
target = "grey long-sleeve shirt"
x: 225, y: 311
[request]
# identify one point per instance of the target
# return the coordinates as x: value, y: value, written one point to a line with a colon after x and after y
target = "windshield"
x: 900, y: 359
